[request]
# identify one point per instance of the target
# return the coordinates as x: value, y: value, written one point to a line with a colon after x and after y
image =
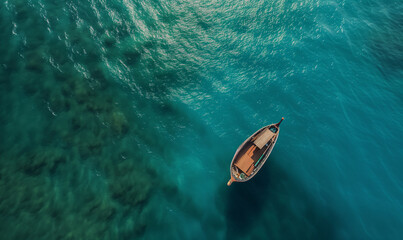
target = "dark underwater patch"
x: 275, y: 205
x: 84, y: 173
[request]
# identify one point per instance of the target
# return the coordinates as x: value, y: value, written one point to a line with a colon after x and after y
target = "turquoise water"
x: 119, y: 119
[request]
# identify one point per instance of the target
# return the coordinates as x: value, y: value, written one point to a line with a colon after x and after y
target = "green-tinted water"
x: 119, y: 119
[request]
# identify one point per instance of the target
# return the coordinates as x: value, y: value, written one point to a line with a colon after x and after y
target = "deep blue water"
x: 119, y: 119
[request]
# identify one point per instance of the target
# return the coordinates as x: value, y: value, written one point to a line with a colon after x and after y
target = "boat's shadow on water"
x: 273, y: 205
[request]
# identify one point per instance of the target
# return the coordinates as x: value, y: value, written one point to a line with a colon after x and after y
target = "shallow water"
x: 119, y: 119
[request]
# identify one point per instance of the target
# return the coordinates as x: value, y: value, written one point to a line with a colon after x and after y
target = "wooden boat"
x: 253, y: 153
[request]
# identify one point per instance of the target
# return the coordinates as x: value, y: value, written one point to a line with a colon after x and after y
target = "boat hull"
x: 238, y: 172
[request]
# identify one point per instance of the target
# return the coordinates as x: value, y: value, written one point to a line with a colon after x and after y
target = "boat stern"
x: 230, y: 181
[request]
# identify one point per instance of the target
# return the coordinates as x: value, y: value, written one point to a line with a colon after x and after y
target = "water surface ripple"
x: 119, y: 119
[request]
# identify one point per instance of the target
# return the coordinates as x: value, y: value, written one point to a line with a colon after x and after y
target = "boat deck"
x: 248, y: 156
x: 253, y: 151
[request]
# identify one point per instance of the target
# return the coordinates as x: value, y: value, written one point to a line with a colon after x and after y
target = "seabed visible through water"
x: 119, y: 120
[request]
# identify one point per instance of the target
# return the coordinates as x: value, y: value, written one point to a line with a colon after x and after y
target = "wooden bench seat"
x: 246, y: 163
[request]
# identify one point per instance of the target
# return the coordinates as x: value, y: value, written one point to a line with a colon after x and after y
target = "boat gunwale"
x: 235, y: 179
